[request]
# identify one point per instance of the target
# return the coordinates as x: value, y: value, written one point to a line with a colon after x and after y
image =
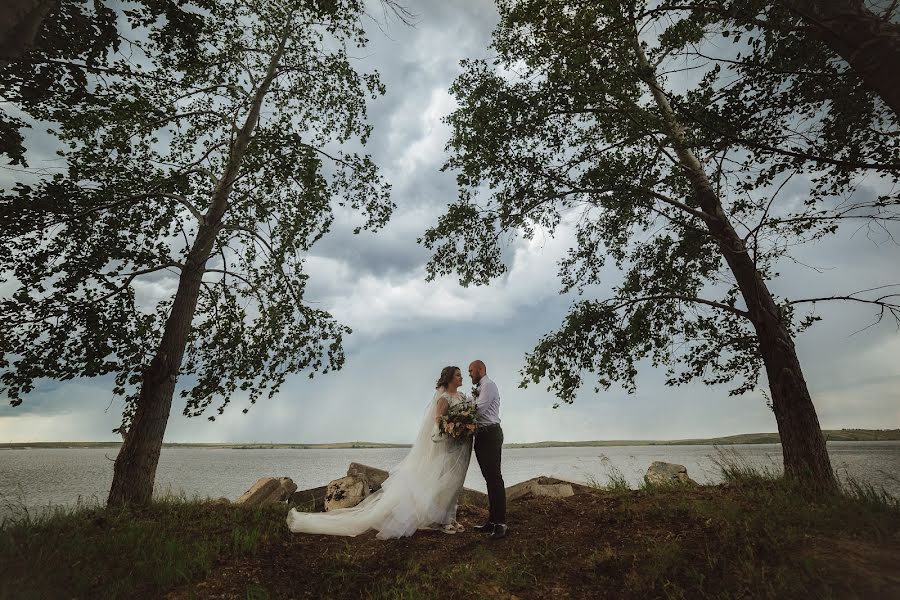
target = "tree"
x: 577, y: 121
x: 214, y: 165
x: 52, y: 51
x: 20, y: 22
x: 868, y: 41
x: 779, y: 69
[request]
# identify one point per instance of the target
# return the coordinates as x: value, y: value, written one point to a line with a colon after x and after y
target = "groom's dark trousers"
x: 488, y: 444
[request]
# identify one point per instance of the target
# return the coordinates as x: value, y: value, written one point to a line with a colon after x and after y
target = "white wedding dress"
x: 421, y: 491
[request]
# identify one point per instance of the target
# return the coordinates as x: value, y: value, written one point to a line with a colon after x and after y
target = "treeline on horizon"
x: 832, y: 435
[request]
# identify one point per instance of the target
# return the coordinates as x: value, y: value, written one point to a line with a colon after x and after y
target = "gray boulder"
x: 311, y: 500
x: 346, y: 492
x: 540, y: 486
x: 266, y: 491
x: 374, y: 476
x: 663, y: 473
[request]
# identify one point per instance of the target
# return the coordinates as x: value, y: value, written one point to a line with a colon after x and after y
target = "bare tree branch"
x: 884, y: 303
x: 712, y: 303
x: 129, y: 277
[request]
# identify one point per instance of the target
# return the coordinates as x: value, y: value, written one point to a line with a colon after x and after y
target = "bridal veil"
x: 420, y: 491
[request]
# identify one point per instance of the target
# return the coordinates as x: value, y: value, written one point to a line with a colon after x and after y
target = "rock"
x: 519, y: 490
x: 263, y: 488
x: 546, y: 486
x: 577, y: 488
x: 288, y: 487
x: 374, y: 476
x: 266, y: 491
x: 540, y: 486
x: 663, y: 473
x: 311, y: 500
x: 556, y: 490
x: 222, y: 500
x: 346, y: 492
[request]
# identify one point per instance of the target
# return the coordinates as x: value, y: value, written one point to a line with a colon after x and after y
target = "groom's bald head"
x: 477, y: 370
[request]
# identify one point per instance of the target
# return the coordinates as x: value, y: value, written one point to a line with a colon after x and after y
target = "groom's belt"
x: 488, y: 427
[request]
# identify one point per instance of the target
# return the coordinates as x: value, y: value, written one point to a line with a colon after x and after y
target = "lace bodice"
x: 454, y: 399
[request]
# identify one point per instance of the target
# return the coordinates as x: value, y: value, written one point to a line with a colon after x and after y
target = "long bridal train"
x: 422, y: 490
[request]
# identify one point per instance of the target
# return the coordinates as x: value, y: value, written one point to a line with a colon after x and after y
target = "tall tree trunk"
x: 134, y: 472
x: 20, y: 22
x: 870, y: 44
x: 135, y: 469
x: 802, y: 442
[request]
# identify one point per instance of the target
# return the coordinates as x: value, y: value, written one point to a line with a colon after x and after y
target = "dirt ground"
x: 598, y: 545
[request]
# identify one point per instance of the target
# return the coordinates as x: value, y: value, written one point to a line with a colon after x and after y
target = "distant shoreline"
x: 832, y: 435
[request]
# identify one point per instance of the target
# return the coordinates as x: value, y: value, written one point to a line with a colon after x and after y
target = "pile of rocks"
x: 362, y: 480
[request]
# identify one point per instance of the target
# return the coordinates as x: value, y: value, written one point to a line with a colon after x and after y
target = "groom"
x: 488, y: 443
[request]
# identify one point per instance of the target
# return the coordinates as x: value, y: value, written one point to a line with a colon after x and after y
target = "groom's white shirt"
x: 487, y: 405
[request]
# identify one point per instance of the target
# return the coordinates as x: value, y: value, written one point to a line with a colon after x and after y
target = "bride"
x: 421, y: 492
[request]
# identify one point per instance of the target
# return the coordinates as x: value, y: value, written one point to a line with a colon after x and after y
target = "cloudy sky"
x: 405, y: 329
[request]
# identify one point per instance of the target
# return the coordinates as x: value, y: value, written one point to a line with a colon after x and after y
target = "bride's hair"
x: 446, y: 377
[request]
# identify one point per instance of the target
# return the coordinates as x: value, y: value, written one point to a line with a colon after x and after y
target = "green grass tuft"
x: 615, y: 479
x: 96, y: 552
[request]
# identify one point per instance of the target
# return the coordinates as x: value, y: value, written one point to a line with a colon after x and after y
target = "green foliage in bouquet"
x: 458, y: 421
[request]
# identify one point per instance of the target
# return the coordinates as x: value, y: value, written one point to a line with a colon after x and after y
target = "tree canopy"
x: 259, y: 108
x: 560, y: 126
x: 51, y: 53
x: 665, y: 139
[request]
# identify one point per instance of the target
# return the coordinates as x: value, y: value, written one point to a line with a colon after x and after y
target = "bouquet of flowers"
x: 458, y: 421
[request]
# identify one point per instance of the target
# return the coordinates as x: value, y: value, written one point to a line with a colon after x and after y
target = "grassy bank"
x: 752, y: 537
x: 99, y: 553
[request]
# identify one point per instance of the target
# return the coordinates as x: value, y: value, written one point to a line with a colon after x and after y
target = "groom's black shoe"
x: 486, y: 528
x: 500, y: 530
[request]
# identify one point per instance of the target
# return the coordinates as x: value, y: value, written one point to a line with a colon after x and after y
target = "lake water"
x: 35, y: 478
